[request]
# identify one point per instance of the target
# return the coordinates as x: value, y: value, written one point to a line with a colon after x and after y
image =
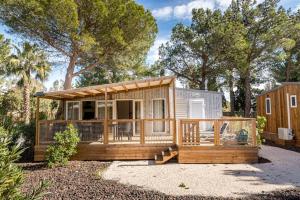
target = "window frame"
x: 293, y: 96
x: 112, y: 105
x: 79, y: 109
x: 165, y: 111
x: 270, y: 102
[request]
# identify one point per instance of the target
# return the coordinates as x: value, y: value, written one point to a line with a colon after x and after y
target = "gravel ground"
x: 83, y: 180
x: 219, y: 180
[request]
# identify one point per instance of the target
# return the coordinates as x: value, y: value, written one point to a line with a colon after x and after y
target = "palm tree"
x: 28, y: 62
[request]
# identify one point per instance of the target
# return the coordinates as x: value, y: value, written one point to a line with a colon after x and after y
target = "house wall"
x: 212, y: 101
x: 146, y: 95
x: 279, y: 115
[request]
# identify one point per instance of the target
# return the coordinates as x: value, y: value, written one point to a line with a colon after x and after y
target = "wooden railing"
x: 134, y: 131
x: 224, y: 131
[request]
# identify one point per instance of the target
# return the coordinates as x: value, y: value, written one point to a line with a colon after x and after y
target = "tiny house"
x: 281, y: 108
x: 147, y: 119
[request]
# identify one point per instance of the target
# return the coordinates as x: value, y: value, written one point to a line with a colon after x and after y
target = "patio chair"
x: 97, y: 132
x: 208, y: 135
x: 124, y: 129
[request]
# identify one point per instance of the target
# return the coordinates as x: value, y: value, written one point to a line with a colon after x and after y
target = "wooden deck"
x: 198, y: 141
x: 96, y: 151
x: 217, y: 154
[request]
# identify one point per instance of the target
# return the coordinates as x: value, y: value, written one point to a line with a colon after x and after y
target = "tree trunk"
x: 26, y: 105
x: 231, y: 93
x: 67, y: 84
x: 288, y: 70
x: 247, y: 86
x: 203, y: 72
x: 69, y: 74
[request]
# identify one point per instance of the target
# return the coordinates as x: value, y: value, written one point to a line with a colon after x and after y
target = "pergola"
x: 104, y: 90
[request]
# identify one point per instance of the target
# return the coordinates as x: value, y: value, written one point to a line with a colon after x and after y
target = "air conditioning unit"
x: 285, y: 133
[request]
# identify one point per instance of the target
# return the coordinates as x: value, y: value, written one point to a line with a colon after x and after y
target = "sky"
x: 167, y: 14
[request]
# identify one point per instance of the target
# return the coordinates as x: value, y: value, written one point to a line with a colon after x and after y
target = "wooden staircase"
x: 166, y: 155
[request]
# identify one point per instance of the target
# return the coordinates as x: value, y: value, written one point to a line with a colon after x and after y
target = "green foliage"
x: 230, y: 49
x: 285, y: 63
x: 65, y: 146
x: 192, y: 50
x: 260, y: 125
x: 11, y: 175
x: 112, y: 74
x: 28, y: 61
x: 4, y: 52
x: 91, y: 33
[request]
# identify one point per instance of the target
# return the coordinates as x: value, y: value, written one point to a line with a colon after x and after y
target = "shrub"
x: 65, y: 146
x: 11, y: 175
x: 260, y: 125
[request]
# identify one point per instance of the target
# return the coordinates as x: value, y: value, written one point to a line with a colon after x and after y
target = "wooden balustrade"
x: 215, y: 132
x: 139, y: 131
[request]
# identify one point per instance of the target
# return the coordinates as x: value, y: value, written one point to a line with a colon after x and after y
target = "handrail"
x: 189, y: 129
x: 47, y: 126
x: 188, y: 134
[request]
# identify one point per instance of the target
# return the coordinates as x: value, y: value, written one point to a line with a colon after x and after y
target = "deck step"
x: 166, y: 155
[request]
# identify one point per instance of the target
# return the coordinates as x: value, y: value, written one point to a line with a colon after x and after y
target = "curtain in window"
x: 159, y: 113
x: 73, y: 110
x: 101, y: 110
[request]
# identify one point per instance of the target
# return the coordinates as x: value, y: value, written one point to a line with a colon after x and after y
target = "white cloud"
x: 154, y: 50
x: 163, y: 13
x: 223, y: 4
x: 184, y: 11
x: 297, y: 8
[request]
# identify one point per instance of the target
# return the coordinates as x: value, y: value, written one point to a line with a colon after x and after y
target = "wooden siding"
x: 212, y: 101
x: 96, y: 151
x: 217, y: 154
x: 279, y: 115
x: 146, y: 95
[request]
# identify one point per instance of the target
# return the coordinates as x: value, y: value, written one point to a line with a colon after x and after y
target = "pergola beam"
x: 125, y: 88
x: 161, y: 81
x: 112, y: 89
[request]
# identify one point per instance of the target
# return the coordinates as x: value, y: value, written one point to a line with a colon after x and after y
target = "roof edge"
x: 278, y: 87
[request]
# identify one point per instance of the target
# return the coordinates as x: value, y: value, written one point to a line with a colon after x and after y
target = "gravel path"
x: 219, y: 180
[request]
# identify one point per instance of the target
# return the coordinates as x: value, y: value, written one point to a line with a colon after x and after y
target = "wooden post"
x: 180, y: 133
x: 105, y: 120
x: 169, y: 112
x: 174, y: 115
x: 253, y: 123
x: 197, y: 133
x: 142, y: 134
x: 37, y: 117
x: 64, y: 117
x: 217, y: 132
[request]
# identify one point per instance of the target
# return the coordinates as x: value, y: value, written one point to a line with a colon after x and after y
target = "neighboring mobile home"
x: 148, y: 119
x: 281, y: 108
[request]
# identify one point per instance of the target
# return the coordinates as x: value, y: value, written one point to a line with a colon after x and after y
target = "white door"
x: 197, y: 111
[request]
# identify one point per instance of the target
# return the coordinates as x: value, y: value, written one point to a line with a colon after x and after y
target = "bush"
x: 260, y: 125
x: 24, y: 134
x: 11, y: 175
x: 65, y: 146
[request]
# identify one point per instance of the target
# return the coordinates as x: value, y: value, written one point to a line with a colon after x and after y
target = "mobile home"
x: 147, y: 119
x: 280, y: 107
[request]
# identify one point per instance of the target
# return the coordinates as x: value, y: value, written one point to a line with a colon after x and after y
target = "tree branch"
x: 86, y: 68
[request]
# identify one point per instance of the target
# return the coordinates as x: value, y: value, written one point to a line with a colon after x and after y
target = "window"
x: 158, y: 113
x: 73, y: 110
x: 293, y: 100
x: 268, y: 106
x: 101, y: 109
